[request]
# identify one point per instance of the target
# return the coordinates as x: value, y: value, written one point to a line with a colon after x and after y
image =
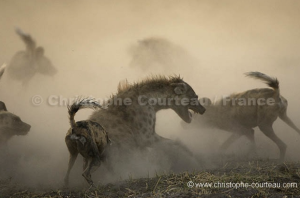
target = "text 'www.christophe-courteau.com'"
x: 237, y: 185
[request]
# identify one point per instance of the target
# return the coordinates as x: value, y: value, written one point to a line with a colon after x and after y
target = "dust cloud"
x: 94, y: 44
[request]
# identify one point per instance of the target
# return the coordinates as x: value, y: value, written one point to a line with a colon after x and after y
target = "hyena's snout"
x: 24, y: 129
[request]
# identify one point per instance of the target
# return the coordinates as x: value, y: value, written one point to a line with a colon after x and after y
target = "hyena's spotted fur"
x: 86, y: 137
x: 132, y: 126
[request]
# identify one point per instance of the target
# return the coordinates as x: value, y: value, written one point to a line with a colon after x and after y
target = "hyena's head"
x: 186, y: 99
x: 11, y: 124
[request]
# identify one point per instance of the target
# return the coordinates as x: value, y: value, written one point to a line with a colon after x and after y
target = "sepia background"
x: 96, y: 44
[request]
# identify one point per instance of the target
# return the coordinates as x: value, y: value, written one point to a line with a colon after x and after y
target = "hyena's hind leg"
x: 267, y: 129
x: 73, y: 155
x: 85, y: 164
x: 92, y: 162
x: 288, y: 121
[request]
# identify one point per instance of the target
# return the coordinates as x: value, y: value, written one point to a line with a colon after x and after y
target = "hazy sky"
x: 89, y: 42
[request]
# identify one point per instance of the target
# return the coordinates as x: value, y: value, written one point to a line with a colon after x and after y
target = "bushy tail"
x: 272, y: 82
x: 81, y: 104
x: 27, y: 39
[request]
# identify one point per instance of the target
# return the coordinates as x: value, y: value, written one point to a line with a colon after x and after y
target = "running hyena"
x: 241, y: 112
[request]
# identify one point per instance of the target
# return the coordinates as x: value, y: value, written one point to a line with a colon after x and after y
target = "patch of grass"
x: 175, y: 185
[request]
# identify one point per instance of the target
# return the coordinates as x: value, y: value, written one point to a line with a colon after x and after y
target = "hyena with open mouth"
x: 130, y: 119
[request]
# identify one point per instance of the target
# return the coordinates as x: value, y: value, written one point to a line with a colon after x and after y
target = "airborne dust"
x: 96, y: 44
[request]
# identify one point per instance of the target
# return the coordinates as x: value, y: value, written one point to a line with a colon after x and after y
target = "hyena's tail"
x: 27, y: 39
x: 81, y: 104
x: 272, y: 82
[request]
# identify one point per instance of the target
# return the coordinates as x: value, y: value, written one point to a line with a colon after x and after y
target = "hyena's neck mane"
x: 154, y: 86
x: 149, y: 85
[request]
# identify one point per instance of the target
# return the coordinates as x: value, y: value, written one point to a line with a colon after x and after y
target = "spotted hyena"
x: 86, y: 137
x: 130, y: 116
x: 241, y: 112
x: 10, y: 125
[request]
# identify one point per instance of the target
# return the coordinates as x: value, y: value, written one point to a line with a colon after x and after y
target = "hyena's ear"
x: 2, y: 106
x: 180, y: 88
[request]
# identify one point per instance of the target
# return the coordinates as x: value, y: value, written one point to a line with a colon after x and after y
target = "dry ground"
x: 175, y: 185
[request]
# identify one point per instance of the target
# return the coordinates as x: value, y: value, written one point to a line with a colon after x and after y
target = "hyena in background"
x: 87, y: 138
x: 228, y: 115
x: 10, y: 125
x: 25, y: 64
